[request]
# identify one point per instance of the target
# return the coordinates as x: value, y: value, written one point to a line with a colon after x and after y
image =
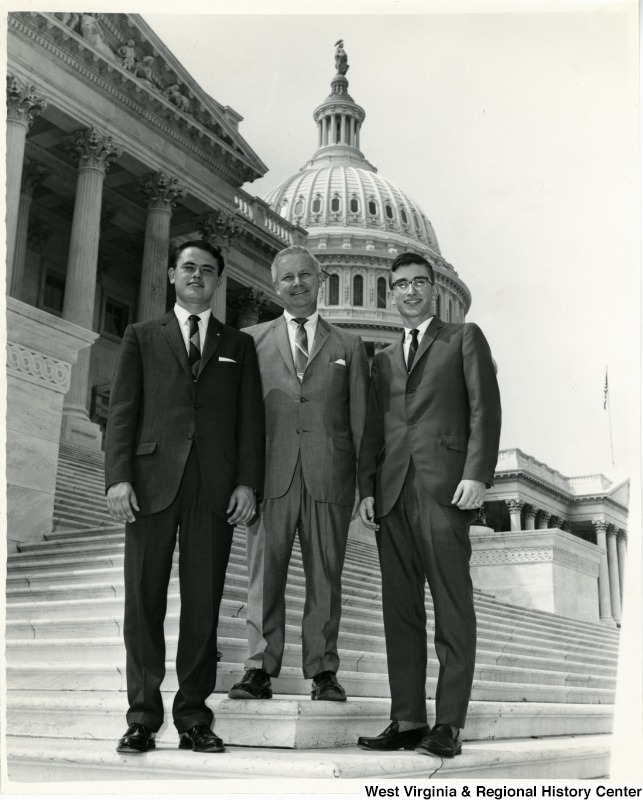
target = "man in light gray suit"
x: 315, y: 379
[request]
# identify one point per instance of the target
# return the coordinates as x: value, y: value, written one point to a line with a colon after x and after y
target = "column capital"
x: 612, y: 530
x: 621, y: 535
x: 22, y: 103
x: 219, y: 228
x: 33, y: 175
x: 600, y: 525
x: 544, y: 516
x: 515, y: 505
x: 161, y: 190
x: 93, y: 149
x: 531, y: 510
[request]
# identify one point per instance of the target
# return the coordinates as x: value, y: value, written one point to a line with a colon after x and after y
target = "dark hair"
x: 404, y: 259
x: 200, y: 244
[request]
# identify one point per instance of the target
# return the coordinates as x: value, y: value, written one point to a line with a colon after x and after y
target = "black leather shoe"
x: 326, y: 687
x: 441, y: 742
x: 255, y: 685
x: 393, y: 739
x: 136, y: 739
x: 201, y: 739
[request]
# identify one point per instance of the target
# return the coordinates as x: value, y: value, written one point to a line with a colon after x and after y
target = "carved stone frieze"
x: 533, y: 555
x: 38, y: 367
x: 219, y: 228
x: 93, y: 149
x: 22, y: 103
x: 161, y: 190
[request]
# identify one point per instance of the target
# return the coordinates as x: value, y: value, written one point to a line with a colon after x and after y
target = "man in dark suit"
x: 315, y: 379
x: 184, y: 450
x: 428, y: 453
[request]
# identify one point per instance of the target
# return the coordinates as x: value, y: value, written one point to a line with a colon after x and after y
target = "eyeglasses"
x: 403, y: 285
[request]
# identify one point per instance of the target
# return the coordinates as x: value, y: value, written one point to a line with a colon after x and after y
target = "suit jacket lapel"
x: 322, y: 333
x: 172, y: 332
x: 427, y: 340
x: 212, y: 340
x: 280, y: 333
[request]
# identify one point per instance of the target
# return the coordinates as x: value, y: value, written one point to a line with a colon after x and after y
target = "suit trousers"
x: 322, y: 530
x: 204, y: 549
x: 421, y: 539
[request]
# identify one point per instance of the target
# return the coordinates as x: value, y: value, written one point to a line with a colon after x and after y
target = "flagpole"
x: 607, y: 405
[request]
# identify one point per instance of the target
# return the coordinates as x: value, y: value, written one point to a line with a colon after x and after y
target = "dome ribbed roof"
x: 331, y: 192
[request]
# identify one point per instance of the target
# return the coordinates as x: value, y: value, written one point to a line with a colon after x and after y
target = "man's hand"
x: 121, y: 501
x: 355, y: 510
x: 367, y: 513
x: 242, y: 505
x: 469, y: 495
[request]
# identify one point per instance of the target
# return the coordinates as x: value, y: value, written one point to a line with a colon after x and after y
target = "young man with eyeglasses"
x: 428, y: 453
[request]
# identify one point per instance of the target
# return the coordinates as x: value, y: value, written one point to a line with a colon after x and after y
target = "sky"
x: 516, y: 134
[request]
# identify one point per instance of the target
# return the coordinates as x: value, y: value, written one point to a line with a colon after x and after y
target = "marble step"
x: 75, y: 676
x: 92, y: 639
x: 289, y: 721
x: 52, y: 601
x: 110, y: 650
x: 578, y: 758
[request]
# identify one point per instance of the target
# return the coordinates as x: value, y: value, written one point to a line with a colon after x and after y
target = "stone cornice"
x: 531, y: 555
x: 113, y: 80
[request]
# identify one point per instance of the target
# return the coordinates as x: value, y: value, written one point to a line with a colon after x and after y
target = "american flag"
x: 605, y: 391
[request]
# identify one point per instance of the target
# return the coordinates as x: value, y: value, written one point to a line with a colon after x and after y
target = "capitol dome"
x: 358, y: 222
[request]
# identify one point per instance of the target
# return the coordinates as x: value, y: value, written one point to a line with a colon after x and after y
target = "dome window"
x: 317, y: 204
x: 405, y: 219
x: 416, y: 220
x: 358, y: 290
x: 299, y: 207
x: 354, y: 205
x: 335, y: 204
x: 333, y: 290
x: 389, y: 211
x: 372, y: 208
x: 381, y: 292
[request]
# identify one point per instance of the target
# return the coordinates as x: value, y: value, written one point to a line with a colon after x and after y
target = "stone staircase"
x: 542, y: 700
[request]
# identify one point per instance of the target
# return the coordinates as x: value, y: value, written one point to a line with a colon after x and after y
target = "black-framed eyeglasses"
x: 418, y: 283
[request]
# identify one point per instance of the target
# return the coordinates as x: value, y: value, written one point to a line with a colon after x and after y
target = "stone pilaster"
x: 22, y: 108
x: 249, y: 301
x: 162, y: 193
x: 604, y: 599
x: 615, y: 583
x: 515, y: 507
x: 530, y: 517
x: 94, y: 151
x: 33, y: 174
x: 621, y: 550
x: 542, y: 520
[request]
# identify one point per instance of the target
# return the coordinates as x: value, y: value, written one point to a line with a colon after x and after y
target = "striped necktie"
x: 301, y: 347
x: 413, y: 348
x: 194, y: 347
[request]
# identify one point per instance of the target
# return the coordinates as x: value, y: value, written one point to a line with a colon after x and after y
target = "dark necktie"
x: 194, y: 348
x: 301, y: 347
x: 413, y: 348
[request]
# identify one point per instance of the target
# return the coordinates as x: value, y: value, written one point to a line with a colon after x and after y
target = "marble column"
x: 621, y: 549
x: 604, y: 598
x: 249, y: 301
x: 342, y: 135
x: 515, y: 507
x: 22, y: 108
x: 162, y: 193
x: 615, y: 583
x: 530, y: 517
x: 94, y: 151
x: 219, y: 301
x: 32, y: 175
x: 542, y: 521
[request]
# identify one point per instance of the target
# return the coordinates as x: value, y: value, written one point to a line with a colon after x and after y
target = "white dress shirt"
x: 310, y: 326
x: 183, y: 317
x: 408, y: 338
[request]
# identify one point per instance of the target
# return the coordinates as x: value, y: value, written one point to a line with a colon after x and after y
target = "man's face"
x: 414, y: 304
x: 195, y: 279
x: 297, y: 283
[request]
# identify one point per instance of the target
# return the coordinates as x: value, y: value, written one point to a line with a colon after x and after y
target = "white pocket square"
x: 340, y: 361
x: 231, y: 360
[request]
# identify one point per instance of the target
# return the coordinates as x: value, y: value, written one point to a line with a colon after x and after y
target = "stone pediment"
x: 124, y: 52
